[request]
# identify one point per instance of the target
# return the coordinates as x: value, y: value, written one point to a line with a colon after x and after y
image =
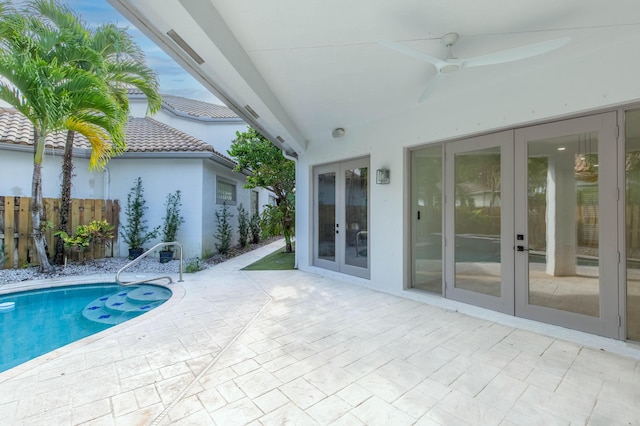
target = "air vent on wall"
x: 183, y: 44
x: 252, y: 112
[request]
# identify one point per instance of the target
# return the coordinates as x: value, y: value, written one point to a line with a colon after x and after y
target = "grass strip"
x: 276, y: 261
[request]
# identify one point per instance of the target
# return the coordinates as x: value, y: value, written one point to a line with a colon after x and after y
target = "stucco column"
x: 561, y: 215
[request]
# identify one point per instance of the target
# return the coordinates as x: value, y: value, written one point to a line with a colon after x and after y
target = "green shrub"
x: 243, y: 226
x: 254, y: 226
x: 172, y: 218
x: 135, y: 233
x: 224, y: 233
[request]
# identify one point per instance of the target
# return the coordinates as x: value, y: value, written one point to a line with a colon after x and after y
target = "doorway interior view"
x: 341, y: 217
x: 530, y: 222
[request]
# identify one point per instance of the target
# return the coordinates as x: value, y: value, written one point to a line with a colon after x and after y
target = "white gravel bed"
x: 92, y: 267
x: 108, y: 265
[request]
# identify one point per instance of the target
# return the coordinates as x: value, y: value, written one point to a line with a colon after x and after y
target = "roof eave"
x: 277, y: 128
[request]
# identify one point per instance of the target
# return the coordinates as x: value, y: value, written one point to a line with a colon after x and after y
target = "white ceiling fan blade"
x: 439, y: 63
x: 517, y: 53
x: 430, y: 87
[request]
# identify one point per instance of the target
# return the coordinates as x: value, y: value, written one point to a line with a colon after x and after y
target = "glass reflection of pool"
x: 35, y: 322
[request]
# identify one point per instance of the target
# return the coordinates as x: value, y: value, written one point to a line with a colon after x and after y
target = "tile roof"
x: 198, y: 109
x: 142, y: 134
x: 149, y: 135
x: 192, y: 107
x: 16, y: 129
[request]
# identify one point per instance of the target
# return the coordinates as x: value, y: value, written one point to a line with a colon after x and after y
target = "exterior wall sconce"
x: 382, y: 176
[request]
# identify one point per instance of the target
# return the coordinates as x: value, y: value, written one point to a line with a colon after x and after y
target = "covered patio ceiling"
x: 307, y: 67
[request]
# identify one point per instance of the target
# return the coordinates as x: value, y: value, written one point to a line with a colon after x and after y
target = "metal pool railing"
x: 142, y: 256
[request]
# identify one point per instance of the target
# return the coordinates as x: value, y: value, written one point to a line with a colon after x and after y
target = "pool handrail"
x: 142, y: 256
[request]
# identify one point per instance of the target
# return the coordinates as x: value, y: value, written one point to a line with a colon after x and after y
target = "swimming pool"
x: 35, y: 322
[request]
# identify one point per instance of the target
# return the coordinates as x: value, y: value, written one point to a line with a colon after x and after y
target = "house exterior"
x: 167, y: 159
x: 214, y: 124
x: 409, y: 100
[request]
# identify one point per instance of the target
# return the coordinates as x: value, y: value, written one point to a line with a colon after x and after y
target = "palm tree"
x: 122, y: 66
x: 41, y: 79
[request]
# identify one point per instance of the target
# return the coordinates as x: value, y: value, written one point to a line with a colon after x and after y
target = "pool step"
x: 125, y: 304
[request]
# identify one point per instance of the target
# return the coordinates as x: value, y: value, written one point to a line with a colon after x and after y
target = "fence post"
x: 24, y: 229
x: 9, y: 231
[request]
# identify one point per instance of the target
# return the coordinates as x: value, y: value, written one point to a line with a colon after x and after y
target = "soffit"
x: 308, y: 67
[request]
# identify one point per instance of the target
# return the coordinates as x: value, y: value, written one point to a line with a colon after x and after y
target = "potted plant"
x: 171, y: 222
x: 135, y: 231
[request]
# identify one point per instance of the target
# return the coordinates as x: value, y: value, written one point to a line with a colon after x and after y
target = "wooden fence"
x: 16, y: 226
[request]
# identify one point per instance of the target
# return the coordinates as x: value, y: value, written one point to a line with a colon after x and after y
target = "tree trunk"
x: 287, y: 230
x: 65, y: 197
x: 37, y: 207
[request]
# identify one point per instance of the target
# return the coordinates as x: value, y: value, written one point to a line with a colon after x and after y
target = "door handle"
x: 521, y: 248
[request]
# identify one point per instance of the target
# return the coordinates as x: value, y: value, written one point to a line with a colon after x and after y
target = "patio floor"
x: 275, y: 347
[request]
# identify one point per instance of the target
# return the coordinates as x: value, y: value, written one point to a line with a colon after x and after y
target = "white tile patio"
x: 275, y: 347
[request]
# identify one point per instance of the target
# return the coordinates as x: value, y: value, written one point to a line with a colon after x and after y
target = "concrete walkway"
x: 287, y: 347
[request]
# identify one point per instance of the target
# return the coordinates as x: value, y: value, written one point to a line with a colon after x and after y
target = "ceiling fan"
x: 451, y: 64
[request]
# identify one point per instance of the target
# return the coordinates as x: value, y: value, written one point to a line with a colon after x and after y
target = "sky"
x: 173, y: 79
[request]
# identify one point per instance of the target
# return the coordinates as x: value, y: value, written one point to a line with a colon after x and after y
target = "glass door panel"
x: 632, y: 222
x: 563, y: 219
x: 356, y: 194
x: 477, y: 221
x: 326, y: 214
x: 426, y: 211
x: 566, y: 224
x: 341, y: 217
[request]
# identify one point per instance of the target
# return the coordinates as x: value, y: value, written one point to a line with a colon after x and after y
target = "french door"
x: 566, y: 224
x: 531, y: 223
x: 341, y: 219
x: 479, y: 221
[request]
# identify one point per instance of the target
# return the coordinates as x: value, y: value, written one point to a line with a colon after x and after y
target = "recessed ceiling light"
x: 337, y: 132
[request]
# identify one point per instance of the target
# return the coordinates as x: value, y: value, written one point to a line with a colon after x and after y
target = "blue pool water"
x: 40, y: 321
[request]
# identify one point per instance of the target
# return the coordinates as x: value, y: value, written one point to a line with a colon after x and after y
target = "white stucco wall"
x: 208, y: 219
x: 17, y: 172
x: 243, y: 197
x: 386, y: 206
x: 209, y: 205
x: 195, y: 177
x: 161, y: 176
x: 443, y: 118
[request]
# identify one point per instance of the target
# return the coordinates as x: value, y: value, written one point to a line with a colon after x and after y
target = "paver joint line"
x: 182, y: 393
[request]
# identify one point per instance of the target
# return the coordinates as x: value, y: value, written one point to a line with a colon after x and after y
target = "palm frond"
x: 99, y: 139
